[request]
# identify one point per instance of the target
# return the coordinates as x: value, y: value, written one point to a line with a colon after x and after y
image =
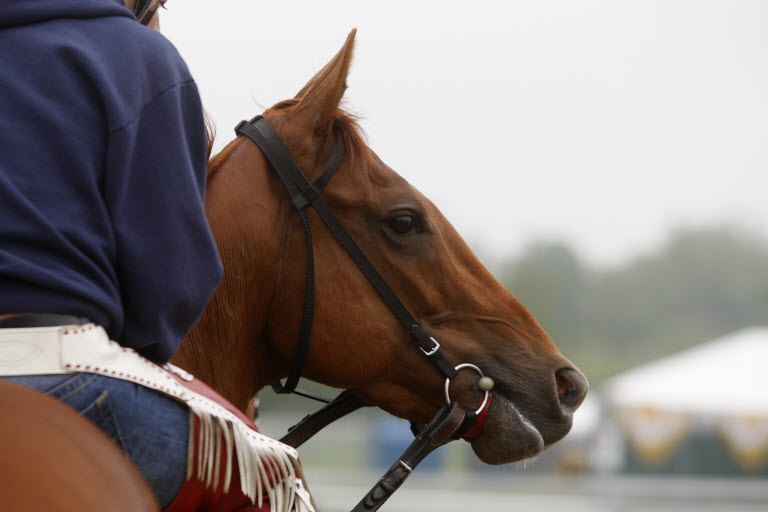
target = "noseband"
x: 451, y: 422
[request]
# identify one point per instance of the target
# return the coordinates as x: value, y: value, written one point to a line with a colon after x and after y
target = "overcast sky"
x: 600, y: 123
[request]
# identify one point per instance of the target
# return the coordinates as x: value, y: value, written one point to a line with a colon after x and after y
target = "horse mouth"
x: 509, y: 436
x: 528, y: 416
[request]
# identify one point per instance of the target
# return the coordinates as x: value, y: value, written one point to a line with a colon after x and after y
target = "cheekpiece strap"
x: 302, y: 193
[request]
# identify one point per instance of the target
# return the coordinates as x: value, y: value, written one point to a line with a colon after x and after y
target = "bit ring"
x: 480, y: 372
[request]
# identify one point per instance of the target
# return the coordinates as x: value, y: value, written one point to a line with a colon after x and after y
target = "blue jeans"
x: 151, y: 428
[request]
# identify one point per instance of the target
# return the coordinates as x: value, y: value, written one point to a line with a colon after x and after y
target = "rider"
x: 102, y: 175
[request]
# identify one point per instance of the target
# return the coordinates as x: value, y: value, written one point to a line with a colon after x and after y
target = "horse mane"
x: 210, y: 132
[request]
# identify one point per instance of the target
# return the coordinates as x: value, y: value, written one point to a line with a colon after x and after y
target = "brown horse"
x: 246, y: 337
x: 55, y: 460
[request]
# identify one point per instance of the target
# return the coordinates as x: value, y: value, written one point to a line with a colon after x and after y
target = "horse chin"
x: 508, y: 436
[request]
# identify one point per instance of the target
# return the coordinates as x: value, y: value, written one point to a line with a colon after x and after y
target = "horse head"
x: 357, y: 343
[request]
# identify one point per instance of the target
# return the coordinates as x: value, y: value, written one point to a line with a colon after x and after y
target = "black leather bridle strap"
x: 339, y: 407
x: 302, y: 193
x: 307, y: 316
x: 448, y: 425
x: 308, y: 195
x: 297, y: 184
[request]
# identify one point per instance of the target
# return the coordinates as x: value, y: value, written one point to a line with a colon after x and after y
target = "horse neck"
x: 227, y: 347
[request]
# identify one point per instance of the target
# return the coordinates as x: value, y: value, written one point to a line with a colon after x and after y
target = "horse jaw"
x: 508, y: 436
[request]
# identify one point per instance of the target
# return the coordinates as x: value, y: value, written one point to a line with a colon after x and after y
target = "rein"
x: 451, y: 422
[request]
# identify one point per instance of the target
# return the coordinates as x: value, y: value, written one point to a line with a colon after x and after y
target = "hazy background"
x: 602, y: 124
x: 569, y: 142
x: 606, y: 159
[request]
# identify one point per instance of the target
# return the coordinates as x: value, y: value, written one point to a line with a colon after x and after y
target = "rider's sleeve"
x: 166, y: 260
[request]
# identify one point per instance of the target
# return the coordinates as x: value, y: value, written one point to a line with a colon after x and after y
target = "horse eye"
x: 404, y: 224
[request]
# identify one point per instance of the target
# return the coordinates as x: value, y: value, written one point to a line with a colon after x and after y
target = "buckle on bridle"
x: 433, y: 349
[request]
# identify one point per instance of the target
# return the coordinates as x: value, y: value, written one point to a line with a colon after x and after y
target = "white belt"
x: 87, y: 348
x: 73, y: 348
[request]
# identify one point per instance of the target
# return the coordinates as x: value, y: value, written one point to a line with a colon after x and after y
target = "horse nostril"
x: 571, y: 387
x: 564, y: 387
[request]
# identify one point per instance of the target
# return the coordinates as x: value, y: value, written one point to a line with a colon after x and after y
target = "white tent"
x: 721, y: 383
x: 725, y: 376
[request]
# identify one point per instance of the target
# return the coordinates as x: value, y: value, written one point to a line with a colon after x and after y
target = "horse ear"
x: 319, y: 99
x: 303, y: 91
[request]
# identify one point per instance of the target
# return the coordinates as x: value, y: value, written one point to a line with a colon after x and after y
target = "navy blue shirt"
x: 102, y: 174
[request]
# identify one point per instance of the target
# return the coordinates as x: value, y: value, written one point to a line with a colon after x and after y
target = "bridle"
x: 451, y: 422
x: 145, y: 10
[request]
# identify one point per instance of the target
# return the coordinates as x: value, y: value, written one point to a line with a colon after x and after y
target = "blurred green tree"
x: 702, y: 283
x: 552, y: 282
